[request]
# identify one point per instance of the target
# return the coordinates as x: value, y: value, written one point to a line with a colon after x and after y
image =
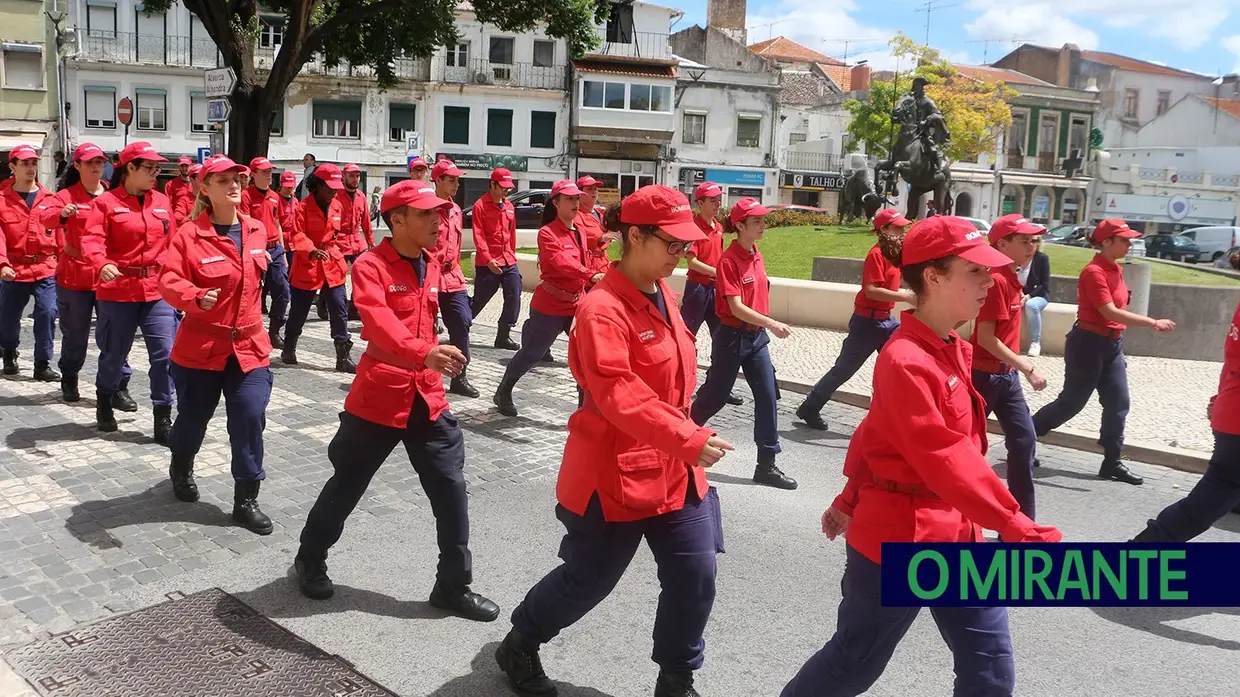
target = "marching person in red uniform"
x: 126, y: 240
x: 742, y: 301
x: 634, y: 465
x: 590, y: 222
x: 319, y: 264
x: 214, y: 273
x: 917, y: 472
x: 419, y: 170
x: 28, y: 253
x: 495, y: 256
x: 564, y: 263
x: 1094, y: 351
x: 261, y: 203
x: 398, y: 397
x: 180, y: 191
x: 183, y: 205
x: 698, y: 301
x: 288, y: 216
x: 356, y: 211
x: 872, y: 322
x: 453, y: 287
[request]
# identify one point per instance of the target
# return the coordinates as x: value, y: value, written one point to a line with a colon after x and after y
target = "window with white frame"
x: 100, y: 107
x: 337, y: 119
x: 1164, y: 101
x: 277, y: 123
x: 271, y: 31
x: 794, y: 138
x: 500, y: 56
x: 401, y: 119
x: 650, y: 98
x: 456, y: 125
x: 602, y: 95
x: 693, y: 128
x: 152, y: 110
x: 544, y: 54
x: 1048, y: 132
x: 198, y: 122
x: 23, y: 66
x: 101, y: 18
x: 1131, y: 97
x: 458, y: 55
x: 748, y: 130
x: 1078, y: 133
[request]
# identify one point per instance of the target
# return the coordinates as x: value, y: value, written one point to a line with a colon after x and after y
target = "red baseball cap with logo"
x: 587, y: 180
x: 141, y: 150
x: 88, y: 151
x: 416, y: 163
x: 889, y: 216
x: 565, y: 187
x: 288, y: 179
x: 194, y: 169
x: 184, y: 160
x: 502, y: 177
x: 415, y: 194
x: 1112, y: 227
x: 216, y: 165
x: 948, y: 236
x: 747, y: 208
x: 707, y: 190
x: 664, y: 207
x: 351, y: 168
x: 330, y: 174
x: 445, y: 168
x: 1013, y: 224
x: 261, y: 163
x: 23, y: 152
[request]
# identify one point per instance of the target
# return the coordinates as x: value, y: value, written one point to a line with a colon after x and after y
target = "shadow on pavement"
x: 800, y: 433
x: 721, y: 478
x: 44, y: 400
x: 487, y: 679
x: 280, y: 599
x: 1156, y: 621
x: 91, y: 521
x: 29, y: 438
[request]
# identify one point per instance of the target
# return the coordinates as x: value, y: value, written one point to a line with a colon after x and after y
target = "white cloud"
x: 1035, y: 23
x: 1232, y: 44
x: 1186, y: 23
x: 824, y: 26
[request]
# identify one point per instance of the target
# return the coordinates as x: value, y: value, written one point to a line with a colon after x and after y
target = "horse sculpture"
x: 859, y: 199
x: 918, y: 154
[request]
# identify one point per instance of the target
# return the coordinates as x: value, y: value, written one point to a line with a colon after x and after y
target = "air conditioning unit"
x: 482, y: 77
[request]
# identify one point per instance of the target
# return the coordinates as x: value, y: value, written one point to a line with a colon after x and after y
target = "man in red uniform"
x: 288, y: 214
x: 180, y: 189
x: 418, y: 170
x: 495, y: 255
x: 453, y: 289
x: 590, y: 222
x: 398, y: 397
x: 359, y: 236
x: 262, y: 203
x: 27, y: 264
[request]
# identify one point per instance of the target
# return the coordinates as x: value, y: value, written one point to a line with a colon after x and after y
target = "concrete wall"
x: 1191, y: 122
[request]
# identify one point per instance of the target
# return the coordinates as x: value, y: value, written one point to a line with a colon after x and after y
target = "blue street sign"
x: 218, y: 110
x: 203, y: 154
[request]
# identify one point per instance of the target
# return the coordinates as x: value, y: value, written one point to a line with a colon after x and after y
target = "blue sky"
x: 1198, y: 35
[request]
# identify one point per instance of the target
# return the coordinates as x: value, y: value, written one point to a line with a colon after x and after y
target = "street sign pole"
x: 124, y: 114
x: 218, y: 85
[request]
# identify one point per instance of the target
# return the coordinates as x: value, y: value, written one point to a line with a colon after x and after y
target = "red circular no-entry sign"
x: 124, y: 111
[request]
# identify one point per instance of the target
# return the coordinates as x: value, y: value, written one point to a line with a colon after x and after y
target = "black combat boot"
x: 460, y: 385
x: 811, y: 417
x: 312, y: 578
x: 344, y: 364
x: 69, y: 388
x: 288, y: 356
x: 503, y: 397
x: 276, y: 341
x: 675, y: 684
x: 246, y: 510
x: 105, y: 420
x: 181, y: 472
x: 163, y: 424
x: 10, y: 361
x: 519, y: 660
x: 767, y: 473
x: 43, y: 372
x: 122, y: 401
x: 735, y: 399
x: 547, y: 357
x: 503, y: 340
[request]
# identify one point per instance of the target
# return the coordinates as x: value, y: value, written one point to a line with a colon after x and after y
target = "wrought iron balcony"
x: 147, y: 49
x: 484, y: 72
x: 636, y: 44
x: 809, y: 161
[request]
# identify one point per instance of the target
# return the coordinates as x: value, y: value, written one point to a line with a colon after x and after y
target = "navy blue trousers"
x: 865, y: 337
x: 114, y: 333
x: 596, y: 554
x: 437, y: 453
x: 74, y: 308
x: 734, y: 350
x: 1215, y: 495
x: 538, y: 333
x: 458, y: 317
x: 1091, y: 362
x: 866, y: 636
x: 1003, y: 396
x: 299, y: 310
x: 245, y: 402
x: 697, y: 305
x: 485, y: 285
x: 276, y: 284
x: 13, y: 298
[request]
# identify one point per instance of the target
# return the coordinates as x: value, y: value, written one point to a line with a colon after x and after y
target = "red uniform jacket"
x: 73, y: 271
x: 591, y: 227
x: 926, y: 429
x: 448, y: 249
x: 398, y: 322
x: 495, y: 232
x: 288, y: 219
x: 1101, y: 282
x: 26, y: 244
x: 564, y: 265
x: 632, y: 441
x: 132, y: 236
x: 707, y: 251
x: 200, y: 259
x: 315, y: 230
x: 263, y: 206
x: 1225, y: 417
x: 743, y: 274
x: 1003, y: 306
x: 876, y: 270
x: 180, y: 193
x: 355, y: 211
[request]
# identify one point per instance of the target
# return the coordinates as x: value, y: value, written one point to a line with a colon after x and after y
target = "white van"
x: 1214, y: 241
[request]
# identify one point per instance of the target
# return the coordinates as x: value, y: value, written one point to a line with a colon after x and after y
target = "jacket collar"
x: 386, y: 250
x: 915, y: 329
x: 1105, y: 263
x: 623, y: 288
x: 745, y: 253
x: 205, y: 228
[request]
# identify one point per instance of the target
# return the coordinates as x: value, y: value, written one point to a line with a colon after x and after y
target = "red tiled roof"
x: 617, y: 68
x: 1231, y: 106
x: 784, y: 49
x: 991, y: 75
x: 841, y: 75
x: 1136, y: 65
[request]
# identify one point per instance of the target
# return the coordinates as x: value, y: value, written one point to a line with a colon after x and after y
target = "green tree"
x: 372, y: 33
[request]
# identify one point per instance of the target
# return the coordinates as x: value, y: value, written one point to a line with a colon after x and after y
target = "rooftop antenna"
x: 929, y: 7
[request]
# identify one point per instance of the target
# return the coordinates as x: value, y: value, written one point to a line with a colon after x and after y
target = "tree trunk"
x: 249, y: 125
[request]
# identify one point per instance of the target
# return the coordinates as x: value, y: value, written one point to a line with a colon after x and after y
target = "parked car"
x: 1138, y: 247
x: 1060, y: 234
x: 799, y: 207
x: 1175, y: 247
x: 979, y: 224
x: 528, y: 204
x: 1214, y: 241
x: 1224, y: 262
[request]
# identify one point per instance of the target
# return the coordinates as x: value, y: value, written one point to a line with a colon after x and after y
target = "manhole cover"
x: 208, y: 643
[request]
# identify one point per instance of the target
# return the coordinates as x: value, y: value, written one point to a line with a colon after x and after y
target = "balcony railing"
x: 804, y: 161
x: 1046, y: 162
x: 637, y: 44
x: 405, y: 68
x: 148, y: 49
x: 484, y: 72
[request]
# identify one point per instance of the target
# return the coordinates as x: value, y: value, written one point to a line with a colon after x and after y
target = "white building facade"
x: 1162, y: 189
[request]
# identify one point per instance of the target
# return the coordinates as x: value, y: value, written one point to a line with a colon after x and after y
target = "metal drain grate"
x: 208, y: 643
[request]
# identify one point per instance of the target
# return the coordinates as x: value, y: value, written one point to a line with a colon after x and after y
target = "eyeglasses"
x: 149, y: 167
x: 674, y: 247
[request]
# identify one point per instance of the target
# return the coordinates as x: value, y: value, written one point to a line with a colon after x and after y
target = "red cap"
x: 288, y: 179
x: 662, y: 206
x: 194, y: 169
x: 587, y: 180
x: 565, y: 187
x: 889, y: 216
x: 261, y: 163
x: 216, y: 165
x: 502, y: 177
x: 747, y: 208
x: 1112, y: 227
x: 415, y: 194
x: 1013, y: 224
x: 184, y: 160
x: 707, y: 190
x: 947, y: 236
x: 444, y: 167
x: 351, y: 168
x: 87, y: 151
x: 23, y: 152
x: 416, y: 163
x: 330, y: 174
x: 141, y: 150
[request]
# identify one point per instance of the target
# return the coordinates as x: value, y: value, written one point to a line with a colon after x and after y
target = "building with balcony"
x: 29, y: 105
x: 1162, y: 189
x: 622, y: 96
